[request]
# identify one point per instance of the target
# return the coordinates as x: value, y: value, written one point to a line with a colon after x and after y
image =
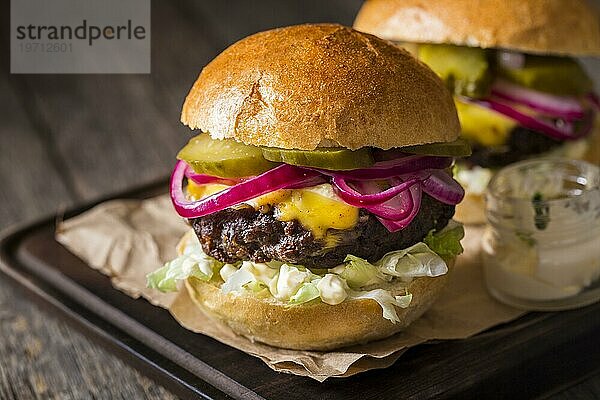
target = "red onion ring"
x: 396, y: 208
x: 567, y: 108
x: 357, y: 199
x: 202, y: 179
x: 280, y: 177
x: 567, y: 132
x: 442, y: 187
x: 396, y: 225
x: 392, y: 168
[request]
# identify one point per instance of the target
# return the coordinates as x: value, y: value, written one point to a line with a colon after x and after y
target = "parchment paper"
x: 126, y: 239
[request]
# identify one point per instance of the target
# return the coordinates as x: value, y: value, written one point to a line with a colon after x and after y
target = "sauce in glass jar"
x: 541, y: 247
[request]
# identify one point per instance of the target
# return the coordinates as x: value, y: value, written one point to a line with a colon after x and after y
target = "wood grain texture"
x: 115, y: 131
x: 40, y: 357
x: 27, y: 167
x: 64, y: 139
x: 587, y: 389
x: 53, y: 130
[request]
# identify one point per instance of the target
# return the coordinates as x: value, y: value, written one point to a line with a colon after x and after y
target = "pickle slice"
x: 561, y: 76
x: 334, y: 158
x: 458, y: 148
x: 465, y: 70
x: 223, y: 158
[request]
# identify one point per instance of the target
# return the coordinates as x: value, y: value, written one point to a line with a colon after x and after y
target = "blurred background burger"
x: 518, y: 90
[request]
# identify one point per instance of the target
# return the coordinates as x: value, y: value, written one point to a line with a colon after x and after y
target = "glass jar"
x: 541, y: 247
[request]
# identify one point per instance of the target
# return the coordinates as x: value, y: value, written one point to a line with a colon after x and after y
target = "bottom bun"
x: 471, y: 210
x: 315, y: 325
x: 592, y: 155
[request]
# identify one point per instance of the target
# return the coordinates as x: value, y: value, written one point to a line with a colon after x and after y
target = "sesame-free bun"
x: 314, y: 325
x: 592, y: 155
x: 324, y: 85
x: 562, y: 27
x: 471, y: 210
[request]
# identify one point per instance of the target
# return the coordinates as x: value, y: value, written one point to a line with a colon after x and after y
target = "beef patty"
x: 244, y: 233
x: 522, y: 143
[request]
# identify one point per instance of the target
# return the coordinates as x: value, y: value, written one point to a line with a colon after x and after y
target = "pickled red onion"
x: 396, y: 225
x: 565, y: 132
x: 442, y: 187
x: 568, y: 108
x: 280, y: 177
x: 392, y: 168
x: 395, y: 207
x: 202, y: 179
x: 357, y: 199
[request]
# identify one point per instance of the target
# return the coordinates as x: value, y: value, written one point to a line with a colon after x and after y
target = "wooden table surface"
x: 66, y: 139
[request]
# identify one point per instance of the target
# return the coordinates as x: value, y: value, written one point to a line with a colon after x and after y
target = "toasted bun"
x: 471, y: 210
x: 592, y: 154
x: 309, y: 86
x: 313, y: 326
x: 568, y: 27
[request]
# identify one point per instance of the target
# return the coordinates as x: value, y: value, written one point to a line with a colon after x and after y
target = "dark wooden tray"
x: 534, y: 356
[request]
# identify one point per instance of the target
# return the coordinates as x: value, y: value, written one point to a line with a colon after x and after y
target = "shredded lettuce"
x: 192, y: 263
x: 256, y: 286
x: 157, y: 280
x: 386, y: 301
x: 226, y: 271
x: 359, y: 272
x: 295, y: 284
x: 307, y: 292
x: 415, y: 261
x: 237, y: 281
x: 446, y: 242
x: 258, y: 289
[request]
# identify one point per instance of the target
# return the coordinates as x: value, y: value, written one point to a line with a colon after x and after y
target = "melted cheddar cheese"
x: 197, y: 192
x: 316, y: 212
x: 483, y: 126
x: 317, y: 208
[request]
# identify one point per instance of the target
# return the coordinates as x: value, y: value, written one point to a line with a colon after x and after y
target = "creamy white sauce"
x: 287, y: 283
x: 333, y: 289
x: 552, y: 264
x: 227, y: 270
x: 543, y: 275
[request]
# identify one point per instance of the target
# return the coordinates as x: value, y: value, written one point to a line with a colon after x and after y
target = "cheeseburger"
x: 319, y: 191
x: 518, y: 90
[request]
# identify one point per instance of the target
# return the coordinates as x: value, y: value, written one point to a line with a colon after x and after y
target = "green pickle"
x: 223, y: 158
x: 556, y: 75
x: 458, y: 148
x: 465, y: 70
x: 334, y: 158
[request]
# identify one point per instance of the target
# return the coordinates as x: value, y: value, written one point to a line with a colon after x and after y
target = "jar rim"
x: 586, y: 171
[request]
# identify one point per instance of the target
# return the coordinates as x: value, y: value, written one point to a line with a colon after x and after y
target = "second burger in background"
x: 518, y: 91
x: 320, y: 190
